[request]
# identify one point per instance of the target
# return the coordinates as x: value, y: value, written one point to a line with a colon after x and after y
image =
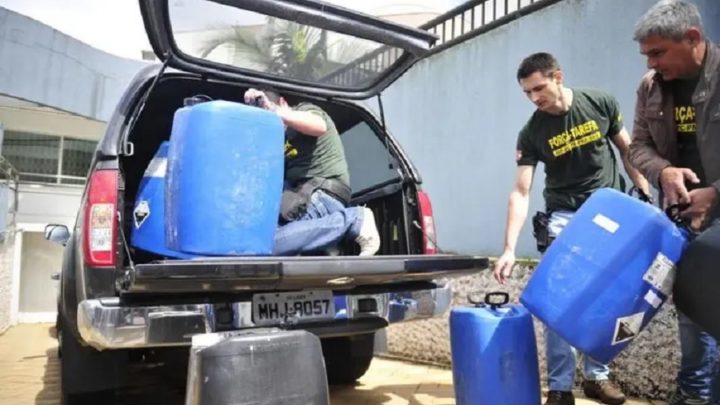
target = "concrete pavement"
x: 30, y: 374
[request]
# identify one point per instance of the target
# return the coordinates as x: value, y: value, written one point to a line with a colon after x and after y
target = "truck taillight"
x: 427, y: 223
x: 100, y: 224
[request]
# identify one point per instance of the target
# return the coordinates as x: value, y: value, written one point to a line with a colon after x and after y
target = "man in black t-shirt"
x: 571, y: 133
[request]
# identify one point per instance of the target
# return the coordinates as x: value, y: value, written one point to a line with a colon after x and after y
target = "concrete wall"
x: 45, y: 66
x: 457, y: 113
x: 6, y: 276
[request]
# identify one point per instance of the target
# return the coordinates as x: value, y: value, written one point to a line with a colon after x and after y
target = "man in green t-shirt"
x: 571, y: 134
x: 317, y: 183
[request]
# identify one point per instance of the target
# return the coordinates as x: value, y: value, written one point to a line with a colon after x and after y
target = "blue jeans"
x: 698, y: 374
x: 559, y: 354
x: 324, y: 224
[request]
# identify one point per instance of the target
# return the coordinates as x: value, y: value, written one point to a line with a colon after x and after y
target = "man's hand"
x: 503, y: 267
x: 672, y: 181
x: 702, y: 200
x: 643, y: 194
x: 258, y: 98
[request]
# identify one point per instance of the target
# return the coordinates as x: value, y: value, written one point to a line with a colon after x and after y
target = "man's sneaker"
x: 368, y: 239
x: 560, y: 398
x: 680, y: 397
x: 604, y: 391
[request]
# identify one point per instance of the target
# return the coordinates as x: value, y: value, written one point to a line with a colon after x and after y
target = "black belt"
x: 295, y: 200
x: 335, y: 188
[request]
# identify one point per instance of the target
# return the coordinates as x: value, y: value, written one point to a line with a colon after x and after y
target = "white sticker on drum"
x: 627, y: 328
x: 606, y: 223
x: 653, y: 299
x: 661, y: 274
x: 141, y: 213
x: 156, y: 168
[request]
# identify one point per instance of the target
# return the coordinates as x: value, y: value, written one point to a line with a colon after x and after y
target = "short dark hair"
x: 542, y: 62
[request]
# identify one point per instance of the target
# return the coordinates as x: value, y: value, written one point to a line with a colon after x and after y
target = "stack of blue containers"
x: 223, y: 184
x: 607, y: 274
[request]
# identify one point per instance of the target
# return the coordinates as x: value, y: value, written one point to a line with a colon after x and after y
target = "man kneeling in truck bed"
x: 314, y: 214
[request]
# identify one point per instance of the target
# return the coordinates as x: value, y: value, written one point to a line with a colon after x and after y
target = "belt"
x: 333, y: 187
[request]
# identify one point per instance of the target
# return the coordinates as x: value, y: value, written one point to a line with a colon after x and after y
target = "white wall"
x: 40, y: 259
x: 45, y: 66
x: 42, y: 204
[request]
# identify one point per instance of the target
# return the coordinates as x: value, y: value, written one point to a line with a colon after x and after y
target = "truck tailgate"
x: 238, y: 274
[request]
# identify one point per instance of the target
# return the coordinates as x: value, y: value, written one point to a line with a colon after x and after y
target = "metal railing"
x: 52, y: 179
x: 459, y: 24
x: 364, y: 68
x: 474, y: 17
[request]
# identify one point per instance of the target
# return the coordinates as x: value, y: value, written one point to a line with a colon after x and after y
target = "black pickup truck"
x: 117, y: 304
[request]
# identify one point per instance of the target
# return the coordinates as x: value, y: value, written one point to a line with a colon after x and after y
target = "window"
x: 369, y: 161
x: 48, y: 159
x: 291, y: 50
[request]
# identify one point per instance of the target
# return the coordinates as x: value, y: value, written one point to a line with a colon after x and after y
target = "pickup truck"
x: 118, y: 304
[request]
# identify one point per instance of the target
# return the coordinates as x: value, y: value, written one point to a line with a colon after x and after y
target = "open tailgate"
x: 239, y: 274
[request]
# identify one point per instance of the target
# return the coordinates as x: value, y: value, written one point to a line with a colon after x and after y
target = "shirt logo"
x: 290, y: 150
x: 685, y: 119
x: 574, y: 138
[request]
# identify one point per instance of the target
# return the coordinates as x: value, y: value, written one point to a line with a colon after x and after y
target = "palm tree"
x: 282, y: 48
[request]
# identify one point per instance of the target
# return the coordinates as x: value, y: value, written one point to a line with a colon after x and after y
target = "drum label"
x: 141, y: 213
x: 661, y: 274
x: 606, y: 223
x: 627, y: 328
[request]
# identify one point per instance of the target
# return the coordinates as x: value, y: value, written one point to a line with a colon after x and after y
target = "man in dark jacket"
x: 676, y: 145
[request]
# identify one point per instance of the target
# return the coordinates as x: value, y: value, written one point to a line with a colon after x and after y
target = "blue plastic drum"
x: 494, y: 354
x: 607, y: 273
x: 225, y: 179
x: 148, y: 221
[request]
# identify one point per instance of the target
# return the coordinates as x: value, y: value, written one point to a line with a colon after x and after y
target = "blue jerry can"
x: 148, y: 221
x: 607, y: 273
x: 225, y: 179
x: 494, y: 353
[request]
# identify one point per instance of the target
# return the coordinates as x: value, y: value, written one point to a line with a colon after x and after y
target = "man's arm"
x: 305, y: 122
x: 518, y: 204
x: 622, y: 141
x: 642, y: 153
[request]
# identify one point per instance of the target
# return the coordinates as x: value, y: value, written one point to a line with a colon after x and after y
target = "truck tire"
x: 347, y: 358
x: 100, y: 397
x: 88, y: 375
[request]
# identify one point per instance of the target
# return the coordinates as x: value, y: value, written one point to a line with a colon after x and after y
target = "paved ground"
x: 30, y: 374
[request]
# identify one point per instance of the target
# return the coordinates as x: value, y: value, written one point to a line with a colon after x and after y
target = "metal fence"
x: 477, y: 16
x: 463, y: 22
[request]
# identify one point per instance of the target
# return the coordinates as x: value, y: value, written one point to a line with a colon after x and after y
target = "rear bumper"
x: 104, y: 324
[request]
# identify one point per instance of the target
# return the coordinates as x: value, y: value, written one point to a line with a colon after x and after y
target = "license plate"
x: 303, y: 306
